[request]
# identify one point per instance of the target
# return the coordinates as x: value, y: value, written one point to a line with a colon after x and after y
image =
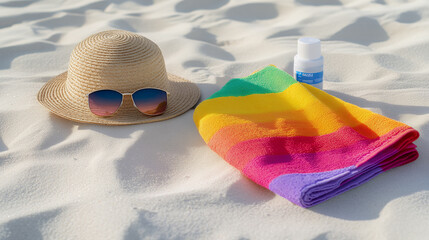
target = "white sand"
x: 62, y: 180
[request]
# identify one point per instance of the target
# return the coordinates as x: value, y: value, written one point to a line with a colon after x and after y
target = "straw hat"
x: 121, y: 61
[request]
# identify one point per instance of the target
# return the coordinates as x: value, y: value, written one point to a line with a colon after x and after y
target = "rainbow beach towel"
x: 300, y: 142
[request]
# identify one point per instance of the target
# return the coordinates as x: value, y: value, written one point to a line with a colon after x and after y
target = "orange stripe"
x: 374, y: 126
x: 324, y: 119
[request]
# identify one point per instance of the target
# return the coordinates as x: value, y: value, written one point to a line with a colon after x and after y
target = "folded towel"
x: 298, y: 141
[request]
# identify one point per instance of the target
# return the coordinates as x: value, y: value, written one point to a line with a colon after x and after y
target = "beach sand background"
x: 64, y: 180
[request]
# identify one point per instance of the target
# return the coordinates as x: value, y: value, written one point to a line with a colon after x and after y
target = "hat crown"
x: 118, y: 60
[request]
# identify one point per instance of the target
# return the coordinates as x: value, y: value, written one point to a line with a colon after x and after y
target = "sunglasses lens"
x: 150, y: 101
x: 104, y: 102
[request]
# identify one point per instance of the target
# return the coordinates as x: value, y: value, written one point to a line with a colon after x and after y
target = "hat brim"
x: 53, y: 95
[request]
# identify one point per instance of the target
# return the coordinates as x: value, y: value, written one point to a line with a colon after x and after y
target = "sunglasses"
x: 149, y: 101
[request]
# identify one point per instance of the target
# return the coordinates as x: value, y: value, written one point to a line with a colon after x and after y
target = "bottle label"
x: 309, y: 78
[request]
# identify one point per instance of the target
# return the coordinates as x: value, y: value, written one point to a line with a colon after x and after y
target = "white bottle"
x: 308, y: 63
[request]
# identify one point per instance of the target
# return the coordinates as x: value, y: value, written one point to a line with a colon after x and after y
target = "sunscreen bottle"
x: 308, y: 63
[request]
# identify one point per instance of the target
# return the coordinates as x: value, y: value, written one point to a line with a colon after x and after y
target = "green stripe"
x: 268, y: 80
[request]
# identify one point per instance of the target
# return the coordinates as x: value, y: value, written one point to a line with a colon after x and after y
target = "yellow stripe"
x: 256, y: 103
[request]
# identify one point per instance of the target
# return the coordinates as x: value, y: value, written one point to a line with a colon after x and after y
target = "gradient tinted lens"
x: 104, y: 102
x: 150, y: 101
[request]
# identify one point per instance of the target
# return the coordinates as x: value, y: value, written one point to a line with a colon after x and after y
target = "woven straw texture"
x: 121, y: 61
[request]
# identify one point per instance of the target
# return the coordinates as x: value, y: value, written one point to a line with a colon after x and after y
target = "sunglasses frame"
x: 122, y: 100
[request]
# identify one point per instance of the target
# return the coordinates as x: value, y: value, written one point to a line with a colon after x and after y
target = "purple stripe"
x: 309, y: 189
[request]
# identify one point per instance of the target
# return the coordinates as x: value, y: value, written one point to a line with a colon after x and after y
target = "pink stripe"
x: 240, y: 154
x: 265, y: 168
